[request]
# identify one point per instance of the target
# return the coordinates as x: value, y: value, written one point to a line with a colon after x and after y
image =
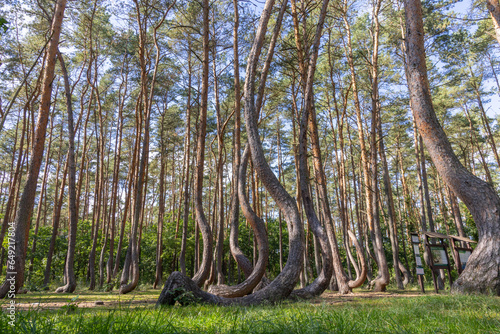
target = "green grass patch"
x: 423, y: 314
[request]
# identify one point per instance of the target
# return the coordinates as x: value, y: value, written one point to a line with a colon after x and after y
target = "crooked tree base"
x: 378, y: 285
x: 223, y: 290
x: 180, y: 288
x: 68, y: 288
x: 482, y: 274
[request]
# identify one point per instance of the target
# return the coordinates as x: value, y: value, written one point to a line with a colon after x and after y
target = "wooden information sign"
x: 438, y: 256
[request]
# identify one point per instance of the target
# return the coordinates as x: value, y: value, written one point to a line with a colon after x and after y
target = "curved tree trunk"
x: 283, y: 284
x: 343, y: 283
x: 204, y: 270
x: 260, y: 235
x: 362, y: 263
x: 242, y: 261
x: 370, y: 207
x: 219, y: 221
x: 254, y: 274
x: 482, y: 273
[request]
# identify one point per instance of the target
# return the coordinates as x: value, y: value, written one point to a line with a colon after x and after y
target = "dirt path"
x: 334, y: 298
x: 97, y: 301
x: 85, y: 304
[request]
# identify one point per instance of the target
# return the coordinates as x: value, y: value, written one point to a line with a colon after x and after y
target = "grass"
x: 423, y: 314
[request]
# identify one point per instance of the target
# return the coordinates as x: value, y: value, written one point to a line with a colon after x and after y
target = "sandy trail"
x: 97, y: 302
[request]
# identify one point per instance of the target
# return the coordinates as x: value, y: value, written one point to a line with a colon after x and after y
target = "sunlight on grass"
x: 424, y: 314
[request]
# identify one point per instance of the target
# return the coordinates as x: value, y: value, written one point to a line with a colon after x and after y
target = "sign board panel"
x: 439, y: 257
x: 464, y: 257
x: 416, y: 250
x: 415, y: 240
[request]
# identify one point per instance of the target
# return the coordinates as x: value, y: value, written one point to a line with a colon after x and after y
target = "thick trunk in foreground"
x: 482, y: 273
x: 19, y: 238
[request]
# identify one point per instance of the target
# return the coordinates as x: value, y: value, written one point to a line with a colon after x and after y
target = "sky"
x: 492, y: 104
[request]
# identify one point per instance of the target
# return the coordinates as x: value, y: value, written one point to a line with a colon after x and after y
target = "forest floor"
x: 395, y: 311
